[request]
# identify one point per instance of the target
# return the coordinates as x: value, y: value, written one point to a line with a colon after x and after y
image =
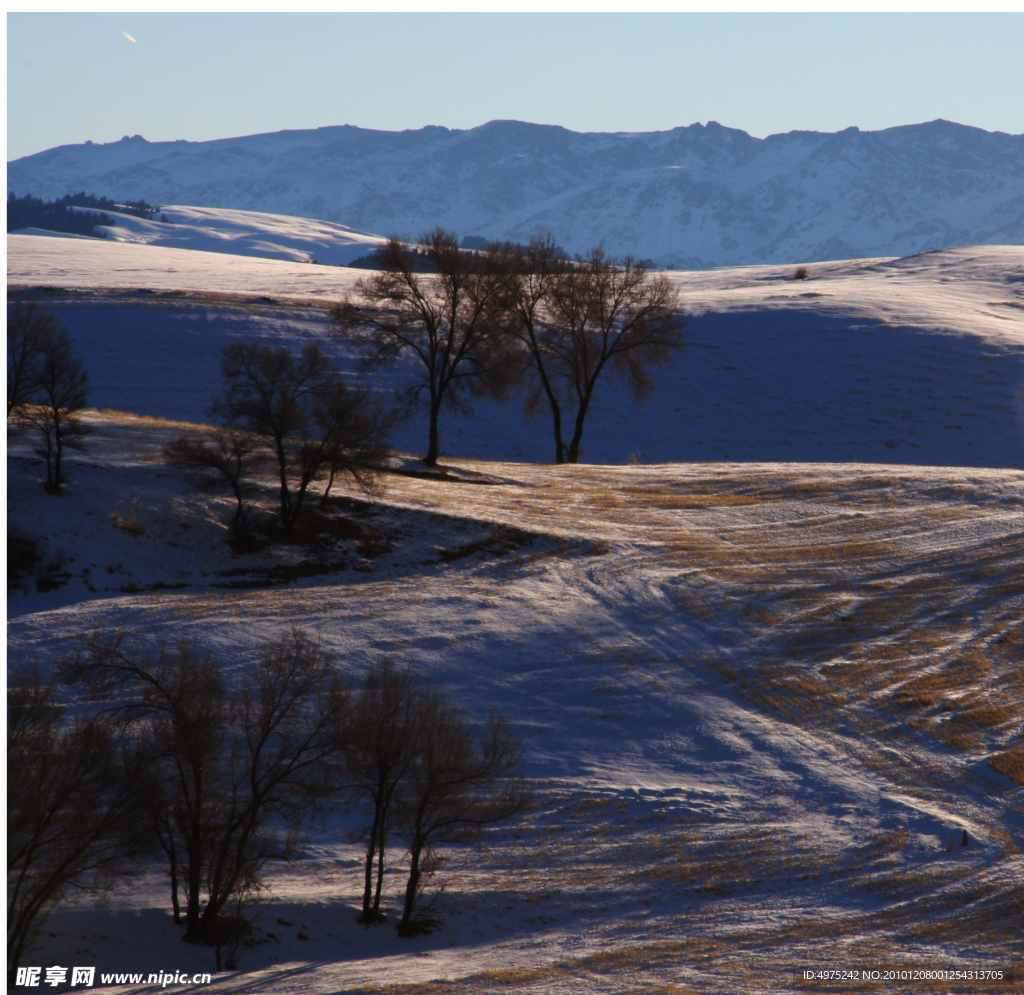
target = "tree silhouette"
x: 448, y: 319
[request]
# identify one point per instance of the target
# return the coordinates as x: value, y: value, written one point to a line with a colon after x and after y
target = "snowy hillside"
x: 756, y: 704
x: 692, y: 197
x: 240, y: 233
x: 917, y: 360
x: 765, y: 676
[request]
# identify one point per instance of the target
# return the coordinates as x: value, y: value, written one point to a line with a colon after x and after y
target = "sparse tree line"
x: 164, y: 754
x: 481, y: 324
x: 60, y: 214
x: 477, y: 324
x: 485, y: 323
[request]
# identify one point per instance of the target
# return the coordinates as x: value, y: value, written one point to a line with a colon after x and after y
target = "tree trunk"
x: 282, y: 469
x: 435, y: 409
x: 556, y: 411
x: 58, y: 477
x: 195, y: 883
x: 573, y: 455
x: 411, y: 889
x: 559, y: 445
x: 172, y: 855
x: 295, y: 509
x: 50, y: 487
x: 380, y: 873
x: 327, y: 490
x: 371, y: 852
x: 194, y: 852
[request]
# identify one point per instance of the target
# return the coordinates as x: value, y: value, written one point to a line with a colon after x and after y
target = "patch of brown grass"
x: 1009, y: 763
x: 129, y: 522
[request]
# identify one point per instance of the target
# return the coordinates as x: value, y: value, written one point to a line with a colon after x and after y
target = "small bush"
x: 52, y: 573
x: 27, y: 560
x: 24, y: 554
x: 129, y: 523
x: 801, y: 273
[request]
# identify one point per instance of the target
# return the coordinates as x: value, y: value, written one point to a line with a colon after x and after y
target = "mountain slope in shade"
x: 692, y: 197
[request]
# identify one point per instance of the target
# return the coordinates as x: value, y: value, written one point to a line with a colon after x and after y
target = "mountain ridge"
x: 695, y: 196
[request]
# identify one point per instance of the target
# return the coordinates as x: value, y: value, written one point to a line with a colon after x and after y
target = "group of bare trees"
x: 167, y: 754
x: 476, y: 323
x: 72, y: 805
x: 46, y: 386
x: 295, y: 412
x: 423, y: 773
x: 481, y: 323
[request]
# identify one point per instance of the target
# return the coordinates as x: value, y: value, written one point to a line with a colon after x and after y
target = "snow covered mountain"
x: 692, y: 197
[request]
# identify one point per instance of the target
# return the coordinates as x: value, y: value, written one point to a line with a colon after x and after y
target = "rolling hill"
x: 766, y: 673
x: 915, y: 360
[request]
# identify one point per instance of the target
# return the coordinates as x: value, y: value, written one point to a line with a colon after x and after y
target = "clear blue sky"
x: 73, y: 77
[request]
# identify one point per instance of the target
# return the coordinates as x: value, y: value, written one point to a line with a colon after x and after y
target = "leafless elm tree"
x: 448, y: 319
x: 50, y: 393
x: 574, y: 323
x: 459, y: 783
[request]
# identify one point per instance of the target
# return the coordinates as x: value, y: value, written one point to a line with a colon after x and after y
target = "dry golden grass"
x: 127, y: 419
x: 129, y: 522
x: 1009, y: 763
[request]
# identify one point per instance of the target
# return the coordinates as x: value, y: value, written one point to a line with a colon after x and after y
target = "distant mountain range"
x: 689, y: 198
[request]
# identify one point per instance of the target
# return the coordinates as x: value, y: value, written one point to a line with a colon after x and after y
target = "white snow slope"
x: 756, y: 703
x: 757, y: 700
x: 692, y: 197
x: 239, y: 233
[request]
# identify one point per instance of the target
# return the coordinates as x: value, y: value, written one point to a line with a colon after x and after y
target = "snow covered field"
x: 240, y: 233
x: 918, y: 360
x: 757, y: 694
x: 756, y: 703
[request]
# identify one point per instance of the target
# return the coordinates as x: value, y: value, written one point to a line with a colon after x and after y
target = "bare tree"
x: 350, y: 429
x: 59, y: 392
x: 72, y: 806
x: 267, y: 392
x: 289, y: 718
x: 181, y: 698
x: 457, y: 785
x: 448, y: 319
x: 610, y: 316
x: 228, y: 762
x: 382, y: 750
x: 229, y: 458
x: 28, y: 327
x: 528, y: 277
x: 305, y: 414
x: 575, y: 323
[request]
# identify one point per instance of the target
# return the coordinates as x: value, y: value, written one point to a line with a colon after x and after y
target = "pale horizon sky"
x: 78, y: 77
